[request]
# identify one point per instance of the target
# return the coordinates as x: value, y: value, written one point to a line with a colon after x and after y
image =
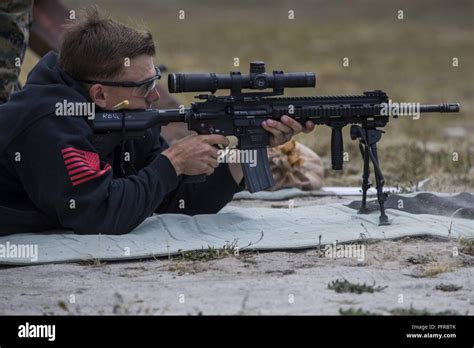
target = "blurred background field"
x: 411, y: 59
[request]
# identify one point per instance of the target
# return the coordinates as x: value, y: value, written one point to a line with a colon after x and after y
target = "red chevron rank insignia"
x: 82, y: 165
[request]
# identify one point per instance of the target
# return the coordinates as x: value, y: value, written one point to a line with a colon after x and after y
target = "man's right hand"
x: 195, y: 154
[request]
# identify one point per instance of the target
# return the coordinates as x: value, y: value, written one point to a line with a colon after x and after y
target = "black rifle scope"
x: 235, y: 81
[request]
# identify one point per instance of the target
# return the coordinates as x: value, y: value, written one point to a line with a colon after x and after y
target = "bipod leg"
x: 380, y: 182
x: 365, y: 177
x: 368, y: 138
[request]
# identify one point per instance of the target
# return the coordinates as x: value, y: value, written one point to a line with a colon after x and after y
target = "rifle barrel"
x: 447, y: 107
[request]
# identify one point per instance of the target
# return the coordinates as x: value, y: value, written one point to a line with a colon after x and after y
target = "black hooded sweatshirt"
x: 53, y: 177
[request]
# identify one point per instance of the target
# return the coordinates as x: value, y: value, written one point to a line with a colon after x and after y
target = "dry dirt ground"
x: 411, y: 276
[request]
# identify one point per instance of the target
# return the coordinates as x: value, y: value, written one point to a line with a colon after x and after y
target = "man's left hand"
x: 282, y: 132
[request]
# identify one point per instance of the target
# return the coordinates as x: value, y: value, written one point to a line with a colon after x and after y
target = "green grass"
x: 355, y: 312
x: 342, y: 286
x: 211, y: 253
x: 448, y: 287
x: 422, y: 312
x: 203, y: 255
x: 467, y: 246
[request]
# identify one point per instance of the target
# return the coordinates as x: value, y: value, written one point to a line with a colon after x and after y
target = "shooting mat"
x: 437, y: 215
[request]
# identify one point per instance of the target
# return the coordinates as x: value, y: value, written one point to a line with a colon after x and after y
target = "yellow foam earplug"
x: 121, y: 105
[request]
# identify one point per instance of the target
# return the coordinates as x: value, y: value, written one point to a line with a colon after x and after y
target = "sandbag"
x: 295, y: 165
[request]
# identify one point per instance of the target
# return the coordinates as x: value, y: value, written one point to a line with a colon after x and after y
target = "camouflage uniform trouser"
x: 15, y: 21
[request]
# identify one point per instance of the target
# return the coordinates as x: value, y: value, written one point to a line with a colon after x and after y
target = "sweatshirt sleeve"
x: 204, y: 198
x: 65, y: 179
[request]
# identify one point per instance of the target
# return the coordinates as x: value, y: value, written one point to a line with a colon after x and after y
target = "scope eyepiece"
x: 256, y: 79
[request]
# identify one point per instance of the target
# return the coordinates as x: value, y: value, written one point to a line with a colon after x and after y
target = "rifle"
x: 241, y: 114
